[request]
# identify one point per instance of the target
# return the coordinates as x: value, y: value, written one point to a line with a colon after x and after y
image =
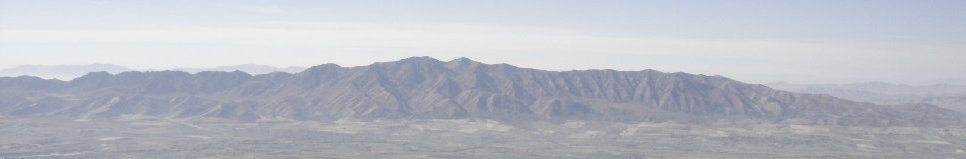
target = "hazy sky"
x: 804, y: 41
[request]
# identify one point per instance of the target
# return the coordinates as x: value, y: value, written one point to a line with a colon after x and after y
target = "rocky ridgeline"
x: 423, y: 87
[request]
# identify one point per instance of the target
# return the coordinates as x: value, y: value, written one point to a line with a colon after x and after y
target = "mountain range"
x: 427, y: 88
x: 69, y: 72
x: 948, y: 96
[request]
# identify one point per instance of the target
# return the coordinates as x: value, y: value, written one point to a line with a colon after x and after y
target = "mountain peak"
x: 420, y: 59
x: 411, y: 62
x: 462, y: 63
x: 325, y: 67
x: 462, y: 60
x: 95, y: 75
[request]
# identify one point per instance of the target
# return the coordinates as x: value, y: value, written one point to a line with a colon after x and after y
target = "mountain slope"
x: 422, y: 87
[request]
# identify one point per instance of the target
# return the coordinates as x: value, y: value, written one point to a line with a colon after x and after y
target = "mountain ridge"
x: 423, y: 87
x: 70, y: 72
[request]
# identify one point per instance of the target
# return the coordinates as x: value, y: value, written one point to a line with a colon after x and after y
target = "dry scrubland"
x: 158, y: 138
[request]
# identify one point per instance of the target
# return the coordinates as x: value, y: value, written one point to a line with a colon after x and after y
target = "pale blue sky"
x: 913, y: 42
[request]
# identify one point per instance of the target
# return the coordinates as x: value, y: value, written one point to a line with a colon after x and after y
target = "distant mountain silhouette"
x: 942, y: 95
x: 62, y: 72
x: 426, y: 88
x: 248, y: 68
x: 69, y: 72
